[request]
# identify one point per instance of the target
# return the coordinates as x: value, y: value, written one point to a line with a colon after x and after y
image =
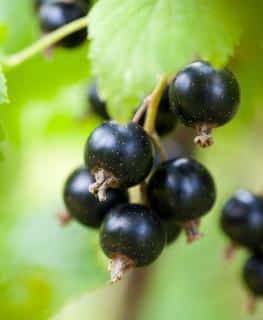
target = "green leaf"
x: 133, y: 42
x: 19, y: 32
x: 3, y: 88
x: 3, y: 31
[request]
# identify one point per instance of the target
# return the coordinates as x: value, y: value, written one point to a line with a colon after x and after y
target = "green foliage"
x: 3, y: 88
x: 3, y: 32
x: 134, y: 42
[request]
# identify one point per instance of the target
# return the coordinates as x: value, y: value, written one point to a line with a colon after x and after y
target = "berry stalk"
x: 44, y: 43
x: 141, y: 110
x: 154, y: 100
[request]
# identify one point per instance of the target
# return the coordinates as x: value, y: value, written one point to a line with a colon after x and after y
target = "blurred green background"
x: 46, y: 271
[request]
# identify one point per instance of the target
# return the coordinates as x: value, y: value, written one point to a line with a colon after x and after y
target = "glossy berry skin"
x: 98, y: 106
x: 181, y: 189
x: 125, y: 151
x: 253, y: 275
x: 172, y: 230
x: 54, y: 15
x: 133, y: 231
x: 166, y: 120
x: 200, y: 94
x: 242, y: 219
x: 84, y: 206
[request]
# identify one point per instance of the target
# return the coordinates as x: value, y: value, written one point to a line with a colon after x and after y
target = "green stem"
x: 44, y: 43
x: 154, y: 101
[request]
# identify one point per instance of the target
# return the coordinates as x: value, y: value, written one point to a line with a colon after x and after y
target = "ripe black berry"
x: 173, y: 231
x: 204, y: 98
x: 166, y: 120
x: 98, y: 106
x: 53, y: 15
x: 242, y: 219
x: 131, y: 236
x: 253, y: 275
x: 82, y: 205
x: 182, y: 190
x: 118, y: 155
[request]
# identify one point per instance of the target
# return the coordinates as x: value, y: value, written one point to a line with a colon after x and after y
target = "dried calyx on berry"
x: 118, y: 156
x: 56, y: 14
x: 84, y: 206
x: 131, y: 236
x: 242, y: 219
x: 204, y: 98
x: 182, y: 190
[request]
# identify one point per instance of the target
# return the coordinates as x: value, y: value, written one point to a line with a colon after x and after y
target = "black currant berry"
x: 242, y: 219
x: 253, y: 275
x: 54, y: 15
x: 182, y: 190
x: 204, y: 98
x: 82, y: 205
x: 97, y: 105
x: 118, y: 156
x: 166, y: 120
x: 131, y: 236
x: 173, y: 231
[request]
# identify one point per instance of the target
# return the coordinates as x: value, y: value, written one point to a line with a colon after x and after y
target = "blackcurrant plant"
x: 135, y: 195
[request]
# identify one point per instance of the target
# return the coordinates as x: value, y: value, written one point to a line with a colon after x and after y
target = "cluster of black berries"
x: 199, y: 96
x: 177, y: 192
x: 117, y: 157
x: 242, y: 222
x: 54, y: 14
